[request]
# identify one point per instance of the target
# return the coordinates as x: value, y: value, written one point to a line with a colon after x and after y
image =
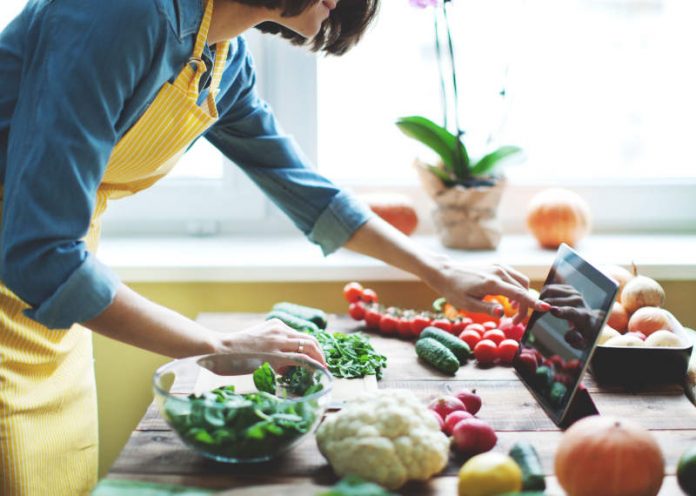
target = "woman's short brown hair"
x: 343, y: 29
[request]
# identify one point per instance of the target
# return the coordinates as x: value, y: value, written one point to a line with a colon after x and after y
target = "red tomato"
x: 419, y: 323
x: 458, y: 327
x: 495, y: 335
x: 387, y: 324
x: 489, y: 324
x: 507, y: 350
x: 573, y: 366
x: 372, y: 318
x: 486, y: 351
x: 356, y: 310
x: 476, y: 327
x: 471, y: 338
x: 352, y: 292
x: 466, y: 321
x: 369, y: 296
x: 444, y: 324
x: 404, y: 327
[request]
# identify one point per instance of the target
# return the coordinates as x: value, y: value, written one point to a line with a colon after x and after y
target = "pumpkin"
x: 394, y: 208
x: 556, y: 216
x: 606, y: 456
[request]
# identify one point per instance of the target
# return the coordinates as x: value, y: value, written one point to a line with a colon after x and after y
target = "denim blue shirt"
x: 75, y: 75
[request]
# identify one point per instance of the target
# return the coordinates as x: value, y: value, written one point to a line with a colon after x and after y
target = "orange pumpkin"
x: 396, y: 209
x: 556, y: 216
x: 609, y: 457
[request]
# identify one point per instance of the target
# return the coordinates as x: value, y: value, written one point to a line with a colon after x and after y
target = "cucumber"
x: 293, y: 321
x: 527, y: 458
x: 558, y: 392
x: 307, y: 313
x: 460, y: 349
x: 437, y: 355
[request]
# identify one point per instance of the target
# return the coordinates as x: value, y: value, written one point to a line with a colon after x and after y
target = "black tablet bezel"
x: 609, y: 287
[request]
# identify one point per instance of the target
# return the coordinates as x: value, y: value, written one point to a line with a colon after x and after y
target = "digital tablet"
x: 557, y: 345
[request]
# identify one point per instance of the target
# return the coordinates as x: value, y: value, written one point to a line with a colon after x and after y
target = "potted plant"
x: 466, y: 191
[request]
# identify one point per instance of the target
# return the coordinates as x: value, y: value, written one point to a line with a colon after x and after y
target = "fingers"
x: 512, y: 276
x: 303, y: 346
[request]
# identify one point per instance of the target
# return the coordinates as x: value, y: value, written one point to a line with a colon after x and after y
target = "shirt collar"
x: 188, y: 15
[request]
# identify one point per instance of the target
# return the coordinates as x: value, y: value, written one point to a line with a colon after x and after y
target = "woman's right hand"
x: 273, y: 336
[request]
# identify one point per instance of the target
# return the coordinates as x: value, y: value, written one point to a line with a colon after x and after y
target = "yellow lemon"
x: 489, y: 474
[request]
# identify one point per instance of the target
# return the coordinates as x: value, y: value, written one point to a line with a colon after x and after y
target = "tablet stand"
x: 581, y: 406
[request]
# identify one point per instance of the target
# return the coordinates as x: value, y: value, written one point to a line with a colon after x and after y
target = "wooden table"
x: 154, y: 453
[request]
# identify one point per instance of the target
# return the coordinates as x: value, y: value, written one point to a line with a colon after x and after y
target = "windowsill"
x: 293, y: 259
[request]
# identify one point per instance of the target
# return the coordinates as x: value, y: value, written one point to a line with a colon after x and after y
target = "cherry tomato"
x: 486, y: 351
x: 387, y: 324
x: 372, y: 318
x: 404, y: 327
x: 495, y: 335
x: 356, y: 310
x: 444, y: 324
x: 352, y: 292
x: 489, y: 324
x: 476, y: 327
x: 470, y: 337
x: 507, y: 350
x: 458, y: 327
x: 369, y: 296
x: 419, y: 323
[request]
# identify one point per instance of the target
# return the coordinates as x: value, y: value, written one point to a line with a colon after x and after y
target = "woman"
x: 97, y: 101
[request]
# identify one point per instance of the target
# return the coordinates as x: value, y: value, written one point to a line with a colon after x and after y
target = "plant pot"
x: 465, y: 218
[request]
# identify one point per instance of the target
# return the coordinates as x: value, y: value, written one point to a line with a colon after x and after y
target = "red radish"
x: 444, y: 405
x: 486, y: 351
x: 488, y: 325
x: 507, y: 350
x: 356, y: 310
x: 473, y: 436
x: 369, y: 296
x: 495, y: 335
x: 453, y: 419
x: 471, y: 400
x: 471, y: 338
x: 439, y: 420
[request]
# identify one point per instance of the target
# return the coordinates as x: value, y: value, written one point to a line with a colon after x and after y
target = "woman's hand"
x: 273, y: 336
x: 465, y: 288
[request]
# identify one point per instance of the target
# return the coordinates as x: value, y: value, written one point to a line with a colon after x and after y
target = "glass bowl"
x: 213, y: 403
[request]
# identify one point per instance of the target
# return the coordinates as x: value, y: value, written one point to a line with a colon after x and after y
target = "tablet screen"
x: 558, y: 344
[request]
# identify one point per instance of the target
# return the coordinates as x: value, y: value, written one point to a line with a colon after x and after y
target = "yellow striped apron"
x: 48, y: 410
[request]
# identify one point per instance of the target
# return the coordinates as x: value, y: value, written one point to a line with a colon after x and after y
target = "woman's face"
x: 309, y: 22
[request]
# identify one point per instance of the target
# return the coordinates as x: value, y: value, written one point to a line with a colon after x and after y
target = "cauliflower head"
x: 388, y: 437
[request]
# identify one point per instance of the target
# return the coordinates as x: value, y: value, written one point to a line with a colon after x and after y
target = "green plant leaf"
x: 441, y: 175
x: 264, y: 378
x: 438, y: 139
x: 488, y: 162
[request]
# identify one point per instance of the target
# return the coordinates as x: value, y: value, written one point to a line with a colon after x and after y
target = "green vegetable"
x: 529, y: 462
x: 460, y: 349
x: 439, y: 304
x: 355, y: 486
x: 293, y: 321
x: 300, y: 381
x: 307, y: 313
x: 347, y: 355
x: 558, y: 392
x: 544, y: 376
x: 264, y: 378
x: 437, y: 355
x: 253, y: 425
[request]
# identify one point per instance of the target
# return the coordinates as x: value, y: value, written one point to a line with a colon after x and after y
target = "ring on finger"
x: 300, y: 346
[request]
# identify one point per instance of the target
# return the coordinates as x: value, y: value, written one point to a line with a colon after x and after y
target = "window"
x: 597, y: 92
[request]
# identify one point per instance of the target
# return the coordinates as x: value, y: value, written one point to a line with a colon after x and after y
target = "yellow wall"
x: 124, y: 372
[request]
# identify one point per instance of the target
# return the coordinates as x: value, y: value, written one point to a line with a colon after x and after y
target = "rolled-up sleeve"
x: 249, y: 135
x: 81, y: 62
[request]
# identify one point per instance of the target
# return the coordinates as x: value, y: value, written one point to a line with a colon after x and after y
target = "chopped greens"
x: 347, y: 355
